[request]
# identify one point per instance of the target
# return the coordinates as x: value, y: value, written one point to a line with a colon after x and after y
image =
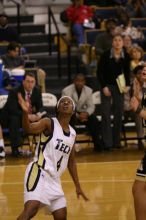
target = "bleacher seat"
x: 139, y: 22
x: 106, y: 12
x: 49, y: 103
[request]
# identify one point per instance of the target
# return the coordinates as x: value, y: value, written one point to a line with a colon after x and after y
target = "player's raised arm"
x: 36, y: 127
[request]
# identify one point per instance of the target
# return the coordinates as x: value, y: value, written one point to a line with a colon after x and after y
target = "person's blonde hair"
x: 138, y: 48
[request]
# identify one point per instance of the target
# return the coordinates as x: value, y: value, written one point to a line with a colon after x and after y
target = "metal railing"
x: 59, y: 35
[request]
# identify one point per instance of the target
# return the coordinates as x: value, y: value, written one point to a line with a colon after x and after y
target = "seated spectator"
x: 136, y: 8
x: 77, y: 14
x: 11, y: 114
x: 82, y: 96
x: 126, y: 28
x: 138, y: 90
x: 2, y: 147
x: 12, y: 60
x: 127, y: 43
x: 104, y: 40
x: 7, y: 33
x: 136, y: 54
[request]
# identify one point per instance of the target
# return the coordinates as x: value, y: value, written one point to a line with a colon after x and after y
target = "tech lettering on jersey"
x: 62, y: 147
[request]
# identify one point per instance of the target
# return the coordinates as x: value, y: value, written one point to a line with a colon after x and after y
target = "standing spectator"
x: 76, y: 14
x: 54, y: 153
x: 11, y: 114
x: 112, y: 63
x: 82, y: 96
x: 12, y: 60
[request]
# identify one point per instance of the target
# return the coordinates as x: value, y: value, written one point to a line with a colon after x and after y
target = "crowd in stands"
x: 119, y: 50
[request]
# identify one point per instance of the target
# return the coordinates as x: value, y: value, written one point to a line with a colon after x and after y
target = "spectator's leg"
x: 106, y: 121
x: 78, y: 31
x: 15, y: 133
x: 118, y: 101
x: 95, y: 131
x: 139, y: 131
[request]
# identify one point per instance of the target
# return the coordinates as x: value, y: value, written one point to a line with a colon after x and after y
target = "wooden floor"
x: 105, y: 177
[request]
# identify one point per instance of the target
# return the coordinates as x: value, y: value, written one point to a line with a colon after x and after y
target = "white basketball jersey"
x: 52, y: 152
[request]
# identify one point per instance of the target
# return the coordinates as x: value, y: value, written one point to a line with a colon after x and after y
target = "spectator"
x: 77, y: 14
x: 12, y: 60
x: 136, y: 54
x: 138, y: 89
x: 2, y: 148
x: 112, y: 63
x: 82, y: 96
x: 7, y: 33
x: 136, y: 8
x: 11, y: 114
x: 126, y: 28
x: 104, y: 40
x: 127, y: 41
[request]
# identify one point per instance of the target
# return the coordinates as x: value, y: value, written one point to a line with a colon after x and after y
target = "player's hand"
x: 81, y: 193
x: 24, y: 104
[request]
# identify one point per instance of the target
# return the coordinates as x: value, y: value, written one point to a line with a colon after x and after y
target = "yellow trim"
x: 41, y: 158
x: 33, y: 176
x: 141, y: 178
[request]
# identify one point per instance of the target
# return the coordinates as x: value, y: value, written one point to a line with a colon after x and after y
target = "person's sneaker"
x: 2, y: 152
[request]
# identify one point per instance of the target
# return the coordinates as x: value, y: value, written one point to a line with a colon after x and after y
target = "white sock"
x: 2, y: 143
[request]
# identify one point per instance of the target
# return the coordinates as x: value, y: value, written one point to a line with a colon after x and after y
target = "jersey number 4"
x: 59, y: 163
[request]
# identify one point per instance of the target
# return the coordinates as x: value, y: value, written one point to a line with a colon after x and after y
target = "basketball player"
x: 53, y: 154
x: 139, y: 186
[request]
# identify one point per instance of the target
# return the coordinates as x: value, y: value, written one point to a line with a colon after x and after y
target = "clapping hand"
x: 134, y: 103
x: 24, y: 104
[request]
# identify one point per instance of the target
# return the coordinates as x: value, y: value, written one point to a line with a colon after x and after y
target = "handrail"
x: 18, y: 4
x: 51, y: 16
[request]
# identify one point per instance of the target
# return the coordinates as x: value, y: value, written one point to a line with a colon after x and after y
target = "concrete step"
x: 35, y: 38
x: 41, y: 47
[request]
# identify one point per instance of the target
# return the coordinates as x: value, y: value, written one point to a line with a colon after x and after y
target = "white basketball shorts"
x: 40, y: 186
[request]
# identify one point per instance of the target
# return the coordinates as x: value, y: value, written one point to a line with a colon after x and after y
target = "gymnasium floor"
x: 105, y: 177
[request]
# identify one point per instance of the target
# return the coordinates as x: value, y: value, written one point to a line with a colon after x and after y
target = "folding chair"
x: 49, y: 103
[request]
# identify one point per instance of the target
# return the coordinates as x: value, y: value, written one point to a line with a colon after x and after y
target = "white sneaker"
x: 2, y: 152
